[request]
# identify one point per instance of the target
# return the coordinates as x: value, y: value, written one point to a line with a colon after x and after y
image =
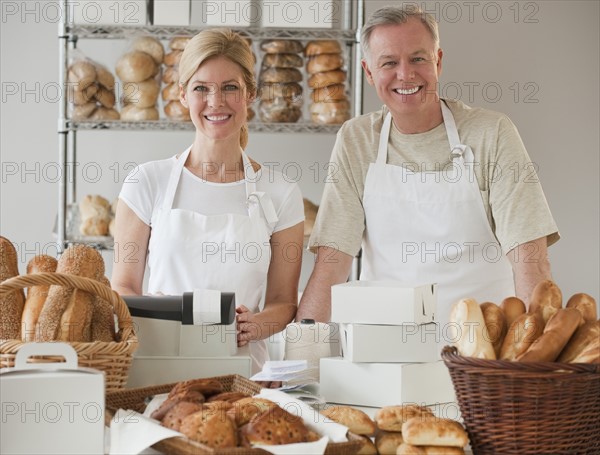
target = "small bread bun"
x: 173, y: 58
x: 282, y: 61
x: 356, y: 420
x: 95, y: 226
x: 319, y: 80
x: 280, y: 46
x: 280, y: 75
x: 278, y: 112
x: 170, y: 92
x: 559, y: 329
x: 94, y: 205
x: 324, y: 62
x: 79, y: 97
x: 513, y: 307
x: 178, y: 43
x: 322, y: 47
x: 434, y: 431
x: 521, y: 334
x: 579, y: 342
x: 391, y: 418
x: 586, y: 304
x: 105, y: 113
x: 335, y: 92
x: 83, y: 111
x: 105, y: 77
x: 82, y: 73
x: 151, y: 46
x: 142, y: 94
x: 105, y: 97
x: 547, y: 298
x: 177, y: 111
x: 290, y: 91
x: 133, y: 113
x: 495, y: 324
x: 135, y: 66
x: 171, y: 75
x: 466, y: 319
x: 330, y: 106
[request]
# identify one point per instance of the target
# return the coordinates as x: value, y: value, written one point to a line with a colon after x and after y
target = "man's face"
x: 404, y: 65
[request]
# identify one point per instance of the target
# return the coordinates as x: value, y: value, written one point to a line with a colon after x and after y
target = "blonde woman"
x: 211, y: 218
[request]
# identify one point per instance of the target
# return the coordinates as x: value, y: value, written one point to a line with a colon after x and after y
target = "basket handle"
x: 73, y: 281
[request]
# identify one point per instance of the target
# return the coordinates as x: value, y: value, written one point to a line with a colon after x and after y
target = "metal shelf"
x: 166, y: 125
x: 167, y: 32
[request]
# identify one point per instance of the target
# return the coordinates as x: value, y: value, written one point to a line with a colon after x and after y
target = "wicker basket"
x: 136, y: 399
x: 527, y: 408
x: 113, y: 358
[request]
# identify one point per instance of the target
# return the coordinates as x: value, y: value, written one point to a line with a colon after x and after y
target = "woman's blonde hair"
x: 214, y: 43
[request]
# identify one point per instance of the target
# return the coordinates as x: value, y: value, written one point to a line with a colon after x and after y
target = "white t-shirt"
x: 144, y: 189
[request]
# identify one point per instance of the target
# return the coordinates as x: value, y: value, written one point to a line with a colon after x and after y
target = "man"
x: 431, y: 190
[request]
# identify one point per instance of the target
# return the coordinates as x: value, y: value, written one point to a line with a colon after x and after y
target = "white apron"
x: 228, y: 252
x: 431, y: 227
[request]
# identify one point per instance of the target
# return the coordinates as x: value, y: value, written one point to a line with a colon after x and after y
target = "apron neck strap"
x: 383, y: 139
x: 174, y: 179
x: 249, y: 175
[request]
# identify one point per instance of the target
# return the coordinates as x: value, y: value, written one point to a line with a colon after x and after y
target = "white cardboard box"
x: 389, y: 343
x: 324, y: 14
x: 383, y: 302
x: 171, y: 12
x: 51, y: 408
x: 385, y: 384
x: 232, y: 13
x: 102, y: 12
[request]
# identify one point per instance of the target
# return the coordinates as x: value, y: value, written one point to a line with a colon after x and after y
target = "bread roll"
x: 583, y: 337
x: 103, y: 319
x: 513, y: 307
x: 324, y: 62
x: 81, y: 73
x: 177, y: 413
x: 142, y: 94
x: 521, y: 334
x: 134, y: 114
x: 279, y: 112
x: 171, y: 75
x: 79, y: 95
x: 104, y: 113
x: 36, y: 295
x: 559, y: 329
x: 289, y: 91
x: 409, y: 449
x: 244, y: 409
x: 434, y: 432
x: 151, y: 46
x: 322, y: 47
x: 105, y: 78
x: 586, y: 304
x: 391, y: 418
x: 320, y: 80
x: 11, y: 305
x: 336, y: 92
x: 83, y: 111
x: 179, y: 42
x: 329, y: 107
x: 282, y: 61
x: 94, y: 205
x: 177, y: 111
x: 281, y: 46
x: 331, y: 118
x: 356, y: 420
x: 211, y: 429
x: 105, y: 97
x: 280, y: 75
x: 274, y: 427
x: 387, y: 442
x: 170, y: 92
x: 547, y: 298
x: 173, y: 58
x: 67, y: 313
x: 466, y: 320
x: 495, y: 324
x: 135, y: 66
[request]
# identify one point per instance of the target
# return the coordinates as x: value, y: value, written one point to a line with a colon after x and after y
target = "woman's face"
x: 217, y: 99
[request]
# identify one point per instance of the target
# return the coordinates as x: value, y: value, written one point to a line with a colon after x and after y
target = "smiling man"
x: 424, y: 186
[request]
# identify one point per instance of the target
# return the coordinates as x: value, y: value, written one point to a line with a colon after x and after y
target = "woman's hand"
x: 247, y: 330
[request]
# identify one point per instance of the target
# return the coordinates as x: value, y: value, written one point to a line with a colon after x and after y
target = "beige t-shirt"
x: 511, y: 192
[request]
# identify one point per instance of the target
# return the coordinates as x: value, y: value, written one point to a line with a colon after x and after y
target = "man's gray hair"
x: 395, y: 15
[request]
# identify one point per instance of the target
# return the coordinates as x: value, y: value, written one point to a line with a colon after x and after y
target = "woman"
x: 210, y: 218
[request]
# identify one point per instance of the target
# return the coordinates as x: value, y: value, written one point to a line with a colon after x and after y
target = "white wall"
x: 547, y: 56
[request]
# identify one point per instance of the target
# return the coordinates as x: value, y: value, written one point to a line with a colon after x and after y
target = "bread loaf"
x: 558, y: 331
x: 142, y: 94
x: 135, y: 66
x: 103, y: 113
x: 547, y: 298
x: 36, y: 295
x: 289, y: 91
x: 83, y: 111
x: 134, y: 114
x: 67, y: 313
x: 324, y: 62
x: 151, y: 46
x: 173, y: 58
x: 179, y: 42
x: 105, y: 78
x: 468, y: 325
x: 81, y: 74
x: 170, y: 92
x: 105, y: 97
x: 274, y: 427
x: 391, y: 418
x: 177, y: 111
x: 586, y: 304
x: 79, y: 95
x: 322, y: 47
x: 209, y: 428
x: 434, y: 432
x: 244, y: 409
x: 591, y: 354
x: 336, y: 92
x: 584, y: 337
x: 409, y: 449
x: 513, y: 307
x: 521, y: 334
x: 103, y: 319
x: 319, y: 80
x: 495, y: 324
x: 11, y: 304
x: 356, y: 420
x: 387, y: 442
x: 171, y: 75
x: 280, y: 75
x: 177, y: 413
x: 281, y: 46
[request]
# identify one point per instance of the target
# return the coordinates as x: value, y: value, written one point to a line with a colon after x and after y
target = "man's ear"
x: 182, y: 97
x: 439, y: 60
x: 368, y: 73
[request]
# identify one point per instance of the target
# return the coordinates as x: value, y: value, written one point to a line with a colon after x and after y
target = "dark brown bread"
x: 11, y: 304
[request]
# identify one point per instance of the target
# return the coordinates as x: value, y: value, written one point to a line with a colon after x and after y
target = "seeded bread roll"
x: 584, y: 337
x: 151, y: 46
x: 11, y: 305
x: 467, y: 322
x: 177, y: 413
x: 244, y: 409
x: 546, y: 298
x: 211, y: 429
x: 586, y: 304
x: 521, y: 334
x: 275, y: 427
x: 135, y: 66
x: 513, y: 307
x: 36, y: 295
x: 67, y: 313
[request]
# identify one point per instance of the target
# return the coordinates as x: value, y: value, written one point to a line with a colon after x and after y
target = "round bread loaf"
x: 336, y: 92
x: 173, y: 58
x: 83, y: 111
x: 289, y: 91
x: 319, y: 80
x: 324, y: 62
x: 133, y: 113
x: 142, y: 94
x: 280, y: 75
x: 171, y: 75
x: 179, y: 42
x: 281, y: 46
x: 105, y: 77
x: 151, y: 46
x: 79, y: 97
x: 11, y: 305
x: 179, y: 412
x: 282, y: 61
x: 94, y: 205
x: 322, y: 47
x: 105, y: 97
x: 82, y: 73
x: 177, y: 111
x: 171, y: 92
x: 105, y: 113
x: 136, y: 66
x: 94, y: 226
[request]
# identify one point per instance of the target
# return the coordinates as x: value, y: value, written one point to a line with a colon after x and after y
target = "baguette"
x: 67, y: 314
x: 495, y: 324
x: 103, y: 320
x: 546, y: 298
x: 586, y: 305
x: 11, y: 304
x: 434, y: 432
x: 513, y: 307
x: 590, y: 355
x: 36, y: 295
x: 557, y: 333
x: 582, y: 339
x: 522, y: 333
x: 466, y: 319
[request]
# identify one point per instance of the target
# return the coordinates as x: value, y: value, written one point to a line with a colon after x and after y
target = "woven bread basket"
x: 527, y: 407
x: 113, y: 358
